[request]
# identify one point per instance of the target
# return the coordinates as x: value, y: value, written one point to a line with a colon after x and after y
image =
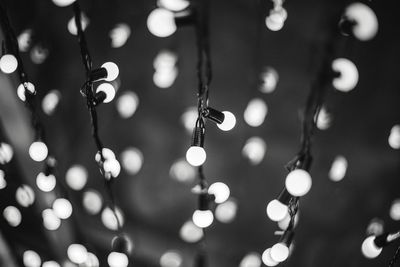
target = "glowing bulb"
x: 110, y: 220
x: 92, y: 202
x: 8, y: 63
x: 273, y: 25
x: 267, y: 259
x: 12, y: 215
x: 107, y: 154
x: 348, y: 78
x: 395, y: 210
x: 165, y: 60
x: 108, y: 89
x: 45, y: 183
x: 50, y: 102
x: 189, y: 118
x: 21, y: 90
x: 92, y: 261
x: 338, y: 169
x: 132, y: 160
x: 6, y: 153
x: 112, y: 166
x: 369, y: 248
x: 161, y: 22
x: 190, y: 232
x: 25, y: 40
x: 276, y: 210
x: 3, y: 182
x: 182, y: 171
x: 72, y: 25
x: 76, y: 177
x: 196, y: 155
x: 254, y: 150
x: 38, y: 151
x: 366, y: 22
x: 375, y: 227
x: 252, y: 259
x: 324, y: 119
x: 62, y: 3
x: 394, y: 137
x: 255, y: 112
x: 50, y: 220
x: 127, y: 104
x: 171, y: 259
x: 229, y: 121
x: 203, y: 218
x: 62, y: 208
x: 119, y: 35
x: 50, y: 264
x: 298, y: 182
x: 174, y: 5
x: 112, y: 71
x: 220, y: 191
x: 226, y: 212
x: 77, y: 253
x: 25, y: 196
x: 279, y: 252
x: 269, y: 78
x: 39, y: 54
x: 117, y: 259
x: 31, y: 259
x: 165, y: 78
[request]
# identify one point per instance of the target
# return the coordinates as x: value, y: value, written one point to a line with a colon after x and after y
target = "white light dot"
x: 182, y: 171
x: 369, y: 249
x: 196, y: 156
x: 92, y: 202
x: 112, y: 166
x: 366, y: 25
x: 174, y: 5
x: 45, y: 183
x: 395, y: 210
x: 92, y: 260
x: 21, y: 90
x: 25, y: 195
x: 127, y: 104
x: 338, y: 169
x: 132, y: 160
x: 31, y: 259
x: 39, y: 54
x: 252, y: 259
x: 63, y: 3
x: 269, y: 80
x: 229, y: 121
x: 203, y: 218
x: 76, y: 177
x: 171, y: 259
x: 72, y: 25
x: 220, y: 191
x: 190, y: 233
x: 109, y: 220
x: 50, y: 102
x: 348, y: 78
x: 394, y: 137
x: 254, y: 150
x: 108, y: 89
x: 62, y: 208
x: 6, y: 153
x: 165, y: 60
x: 50, y: 220
x: 8, y: 63
x: 189, y: 118
x: 3, y: 182
x: 12, y: 215
x: 273, y: 25
x: 279, y: 252
x: 165, y: 78
x: 117, y: 259
x: 119, y: 35
x: 276, y: 210
x: 226, y: 212
x: 25, y: 40
x: 161, y: 22
x: 112, y: 71
x: 255, y: 112
x: 267, y: 259
x: 77, y: 253
x: 324, y: 119
x: 50, y: 264
x: 375, y: 227
x: 298, y: 182
x: 38, y: 151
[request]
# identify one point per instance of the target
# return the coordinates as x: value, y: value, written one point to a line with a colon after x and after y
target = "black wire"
x: 395, y: 257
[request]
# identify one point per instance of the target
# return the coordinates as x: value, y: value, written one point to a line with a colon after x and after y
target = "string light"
x: 173, y: 5
x: 39, y: 54
x: 171, y: 259
x: 338, y: 169
x: 372, y: 246
x: 255, y: 112
x: 161, y: 22
x: 25, y: 195
x: 324, y: 119
x: 132, y: 160
x: 220, y: 191
x: 277, y: 16
x: 269, y: 79
x: 77, y: 253
x: 71, y: 26
x: 50, y: 220
x: 38, y: 151
x: 182, y: 171
x: 31, y: 259
x: 395, y: 210
x: 50, y: 264
x: 12, y: 215
x: 25, y: 40
x: 119, y: 35
x: 190, y: 232
x: 252, y: 259
x: 50, y: 102
x: 92, y: 202
x: 298, y: 182
x: 127, y: 104
x: 46, y: 183
x: 8, y: 63
x: 189, y: 118
x: 267, y: 259
x: 62, y: 208
x: 6, y: 153
x: 3, y: 182
x: 23, y: 87
x: 121, y: 247
x: 348, y: 75
x: 394, y: 137
x: 226, y: 211
x: 76, y: 177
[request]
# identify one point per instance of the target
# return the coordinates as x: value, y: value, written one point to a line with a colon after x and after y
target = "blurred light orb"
x: 108, y: 89
x: 366, y: 22
x: 165, y: 78
x: 112, y: 71
x: 348, y: 78
x: 62, y: 208
x: 284, y: 223
x: 25, y: 195
x: 369, y: 249
x: 39, y: 54
x: 76, y: 177
x: 3, y: 182
x: 31, y: 259
x: 132, y: 160
x: 229, y: 121
x: 107, y: 154
x: 254, y: 150
x: 269, y: 80
x: 395, y: 210
x: 8, y: 63
x: 161, y: 22
x: 203, y: 218
x: 255, y: 112
x: 394, y: 137
x: 46, y: 183
x: 21, y: 90
x: 6, y: 153
x: 196, y: 156
x: 190, y: 232
x: 189, y: 118
x: 50, y: 220
x: 324, y: 119
x: 298, y: 182
x: 77, y: 253
x: 25, y: 40
x: 276, y: 210
x: 182, y: 171
x: 71, y: 26
x: 171, y: 259
x: 109, y: 219
x: 375, y: 227
x: 51, y: 101
x: 92, y: 202
x: 119, y: 35
x: 50, y: 264
x: 38, y: 151
x: 91, y: 261
x: 117, y: 259
x: 127, y: 104
x: 220, y: 191
x: 274, y: 25
x: 338, y: 169
x: 174, y: 5
x: 267, y: 259
x: 63, y: 3
x: 252, y: 259
x: 165, y: 60
x: 12, y: 215
x: 279, y: 252
x: 226, y: 212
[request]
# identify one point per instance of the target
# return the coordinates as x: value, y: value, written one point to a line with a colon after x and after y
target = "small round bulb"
x: 267, y: 259
x: 45, y: 183
x: 117, y: 259
x: 348, y: 78
x: 62, y: 208
x: 161, y: 22
x: 8, y: 63
x: 220, y: 191
x: 298, y: 182
x: 31, y: 259
x: 108, y: 89
x: 112, y: 71
x: 279, y: 252
x: 77, y: 253
x: 203, y: 218
x: 174, y: 5
x: 38, y: 151
x: 62, y: 3
x: 369, y: 249
x: 276, y: 210
x: 196, y: 155
x: 229, y: 121
x: 112, y: 166
x: 366, y: 25
x: 21, y: 90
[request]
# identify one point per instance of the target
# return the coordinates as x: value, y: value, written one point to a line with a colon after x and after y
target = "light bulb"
x: 276, y: 210
x: 220, y: 191
x: 25, y: 40
x: 394, y: 137
x: 254, y: 150
x: 76, y: 177
x: 366, y: 22
x: 92, y: 261
x: 203, y: 218
x: 112, y: 71
x: 267, y: 259
x: 8, y: 63
x: 25, y: 195
x: 31, y: 259
x: 51, y: 101
x: 62, y: 208
x: 252, y: 259
x: 255, y: 112
x: 92, y: 202
x: 6, y: 153
x: 117, y: 259
x: 38, y: 151
x: 50, y: 264
x: 127, y: 104
x: 71, y: 26
x: 112, y: 166
x: 348, y: 78
x: 12, y: 215
x: 161, y: 22
x: 274, y: 25
x: 132, y: 160
x: 369, y: 248
x: 229, y: 121
x: 77, y: 253
x: 165, y: 78
x: 171, y: 259
x: 226, y: 212
x: 3, y: 182
x: 119, y: 35
x: 190, y: 232
x: 324, y: 119
x: 45, y: 183
x: 196, y: 155
x: 182, y: 171
x: 279, y: 252
x: 50, y: 220
x: 108, y: 89
x: 338, y: 169
x: 298, y: 182
x: 269, y: 80
x: 395, y: 210
x: 21, y: 90
x: 174, y: 5
x: 62, y: 3
x: 109, y: 218
x: 39, y: 54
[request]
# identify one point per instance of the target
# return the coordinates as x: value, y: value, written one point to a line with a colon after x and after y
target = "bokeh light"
x: 132, y: 160
x: 255, y: 112
x: 182, y: 171
x: 254, y: 150
x: 76, y: 177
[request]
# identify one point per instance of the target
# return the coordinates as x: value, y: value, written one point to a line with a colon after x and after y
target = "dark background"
x: 333, y: 216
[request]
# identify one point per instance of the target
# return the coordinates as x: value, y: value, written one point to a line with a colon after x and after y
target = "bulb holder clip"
x: 204, y: 201
x: 185, y: 17
x: 214, y: 115
x: 346, y: 26
x: 284, y: 196
x: 198, y: 136
x: 99, y: 97
x: 386, y: 238
x: 287, y: 237
x: 98, y: 74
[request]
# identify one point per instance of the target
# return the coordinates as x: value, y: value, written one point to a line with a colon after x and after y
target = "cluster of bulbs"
x: 110, y: 165
x: 165, y: 69
x: 277, y: 16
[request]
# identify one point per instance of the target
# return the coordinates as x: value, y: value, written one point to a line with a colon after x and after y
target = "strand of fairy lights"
x: 344, y: 76
x: 277, y: 16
